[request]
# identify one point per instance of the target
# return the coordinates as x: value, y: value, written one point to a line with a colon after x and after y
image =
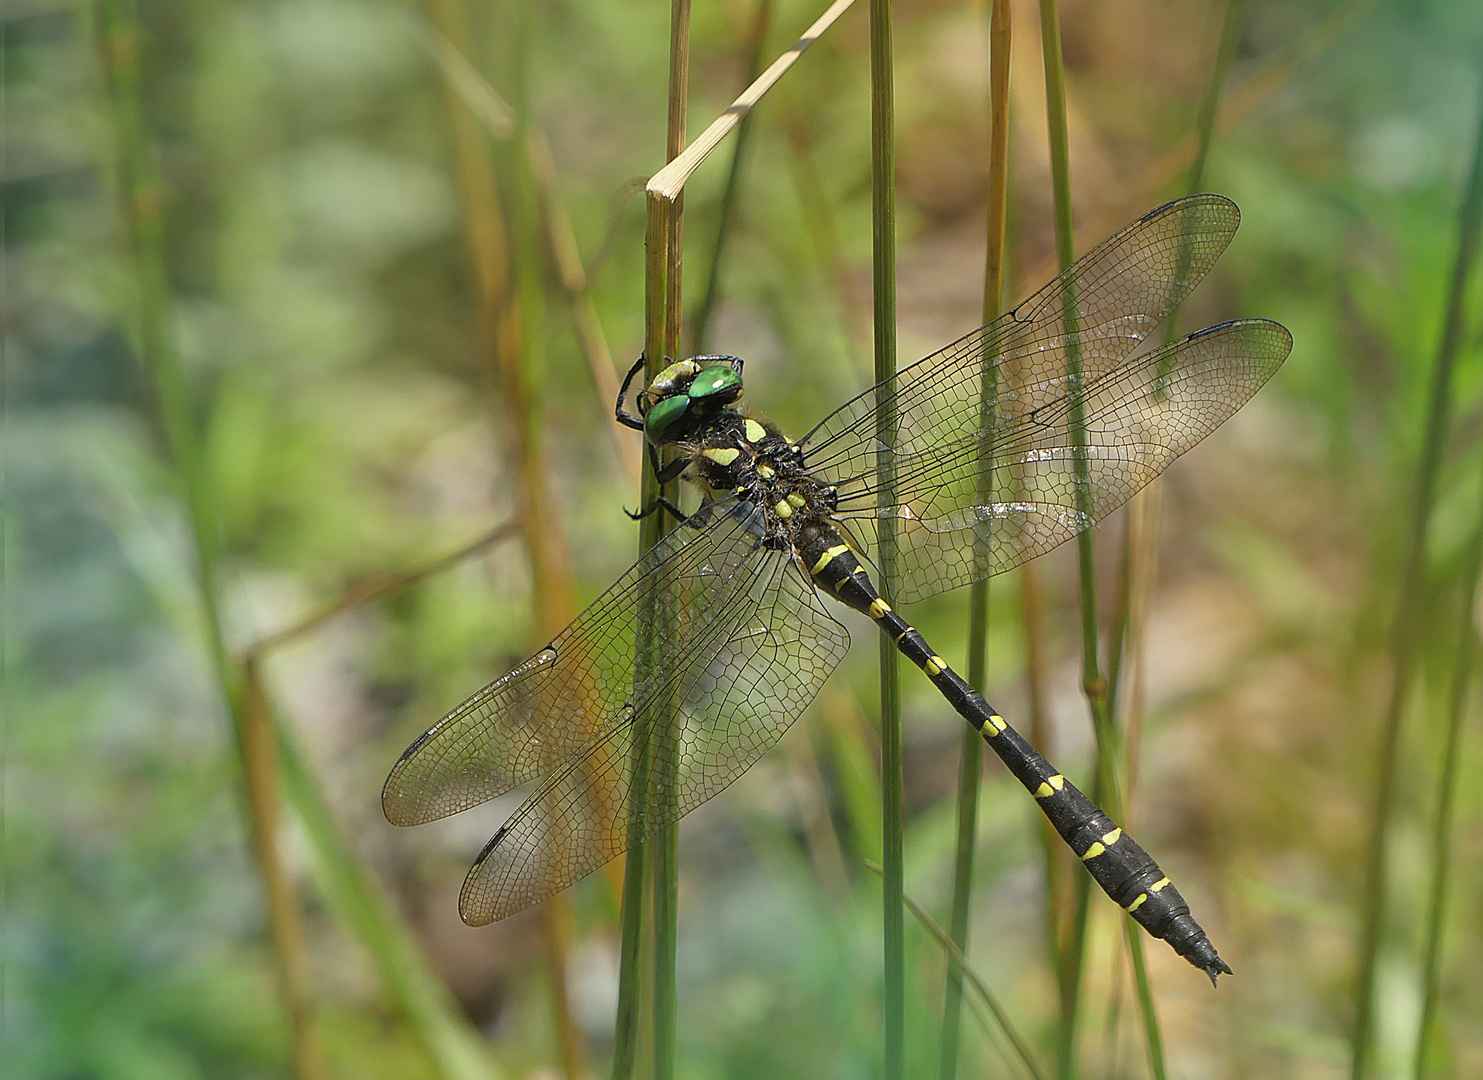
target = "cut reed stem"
x: 666, y: 841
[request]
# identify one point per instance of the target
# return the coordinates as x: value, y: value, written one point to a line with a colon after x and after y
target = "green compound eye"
x: 720, y: 381
x: 663, y: 416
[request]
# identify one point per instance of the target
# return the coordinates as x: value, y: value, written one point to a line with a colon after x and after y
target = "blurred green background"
x: 319, y: 295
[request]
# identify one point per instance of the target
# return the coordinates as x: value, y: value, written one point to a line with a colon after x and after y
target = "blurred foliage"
x: 324, y: 306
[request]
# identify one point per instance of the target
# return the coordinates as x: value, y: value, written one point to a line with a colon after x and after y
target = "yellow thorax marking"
x: 782, y: 509
x: 797, y: 500
x: 723, y: 455
x: 755, y: 431
x: 767, y: 472
x: 828, y: 556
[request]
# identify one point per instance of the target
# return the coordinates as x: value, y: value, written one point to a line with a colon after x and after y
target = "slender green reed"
x: 1093, y: 682
x: 971, y: 763
x: 666, y: 841
x: 148, y: 321
x: 1468, y: 229
x: 959, y: 963
x: 1145, y: 505
x: 1060, y: 155
x: 456, y: 1050
x: 1411, y: 606
x: 883, y: 263
x: 1436, y: 908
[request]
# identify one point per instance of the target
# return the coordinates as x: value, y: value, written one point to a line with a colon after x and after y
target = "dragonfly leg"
x: 660, y: 503
x: 622, y: 415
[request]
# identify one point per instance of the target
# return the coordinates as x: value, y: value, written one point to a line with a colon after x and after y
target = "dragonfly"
x: 991, y: 451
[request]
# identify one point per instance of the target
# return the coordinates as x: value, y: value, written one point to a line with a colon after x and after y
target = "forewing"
x: 1122, y: 290
x: 715, y: 711
x: 560, y: 701
x: 1138, y: 419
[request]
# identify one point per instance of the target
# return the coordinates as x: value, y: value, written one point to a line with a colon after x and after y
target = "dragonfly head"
x: 685, y: 395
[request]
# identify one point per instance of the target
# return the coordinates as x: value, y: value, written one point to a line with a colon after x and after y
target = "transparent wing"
x: 711, y: 712
x: 957, y: 523
x: 1122, y: 290
x: 560, y: 701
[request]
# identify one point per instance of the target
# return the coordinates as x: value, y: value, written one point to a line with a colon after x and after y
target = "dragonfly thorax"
x: 733, y: 452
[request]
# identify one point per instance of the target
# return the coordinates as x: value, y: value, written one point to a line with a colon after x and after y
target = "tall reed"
x: 883, y: 280
x: 971, y: 762
x: 1410, y: 616
x: 148, y: 320
x: 1470, y: 224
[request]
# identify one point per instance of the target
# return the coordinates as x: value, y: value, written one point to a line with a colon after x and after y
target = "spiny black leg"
x: 669, y: 472
x: 622, y: 415
x: 660, y: 503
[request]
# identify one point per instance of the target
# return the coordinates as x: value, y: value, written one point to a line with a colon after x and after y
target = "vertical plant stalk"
x: 1141, y: 537
x: 260, y: 763
x: 700, y: 324
x: 1409, y: 610
x: 456, y: 1050
x: 883, y: 264
x: 1436, y: 910
x: 507, y: 278
x: 1094, y: 684
x: 661, y: 335
x: 666, y: 841
x: 143, y: 200
x: 971, y: 754
x: 980, y: 988
x: 1272, y: 76
x: 549, y: 551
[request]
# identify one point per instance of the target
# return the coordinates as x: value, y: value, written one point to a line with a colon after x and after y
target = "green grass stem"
x: 1140, y: 553
x: 970, y: 771
x: 148, y: 317
x: 959, y: 963
x: 1411, y: 605
x: 1451, y: 755
x: 1094, y: 683
x: 456, y: 1050
x: 1436, y: 908
x: 883, y: 263
x: 1060, y: 157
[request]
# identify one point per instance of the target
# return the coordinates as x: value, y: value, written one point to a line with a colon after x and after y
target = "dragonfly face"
x: 686, y: 396
x: 987, y: 453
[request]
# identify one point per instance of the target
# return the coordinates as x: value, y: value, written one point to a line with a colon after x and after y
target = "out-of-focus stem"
x: 1410, y: 609
x: 971, y: 752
